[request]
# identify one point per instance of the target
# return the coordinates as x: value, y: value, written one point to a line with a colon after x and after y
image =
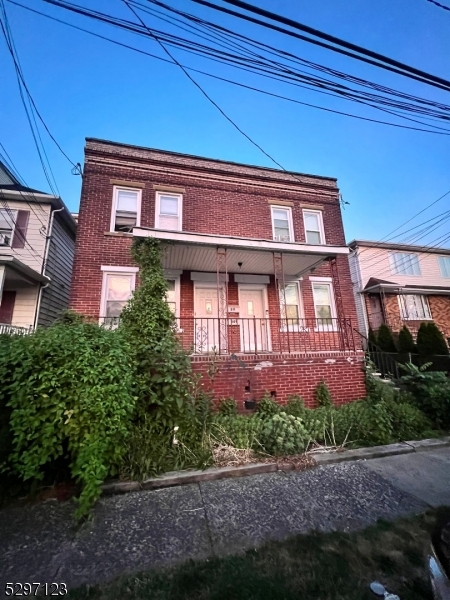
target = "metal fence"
x: 6, y: 329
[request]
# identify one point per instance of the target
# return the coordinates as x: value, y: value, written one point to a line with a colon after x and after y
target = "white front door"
x: 206, y: 322
x: 253, y: 322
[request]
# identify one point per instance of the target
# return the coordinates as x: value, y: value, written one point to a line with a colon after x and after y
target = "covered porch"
x: 236, y: 295
x: 19, y: 295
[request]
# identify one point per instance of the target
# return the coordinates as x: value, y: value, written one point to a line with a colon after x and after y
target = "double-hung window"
x: 403, y: 263
x: 118, y: 287
x: 414, y: 307
x: 169, y: 211
x: 324, y: 306
x: 282, y: 224
x: 7, y: 220
x: 291, y: 311
x: 444, y: 264
x: 314, y: 233
x: 126, y: 209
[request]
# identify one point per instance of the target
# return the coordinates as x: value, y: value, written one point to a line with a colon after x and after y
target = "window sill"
x: 326, y: 328
x: 294, y: 329
x: 417, y: 319
x: 118, y: 234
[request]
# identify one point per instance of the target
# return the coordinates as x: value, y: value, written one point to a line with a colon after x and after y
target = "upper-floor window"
x: 282, y: 224
x: 13, y: 227
x: 414, y: 306
x: 126, y: 212
x: 404, y: 264
x: 444, y: 264
x: 7, y: 221
x: 169, y: 211
x: 314, y: 233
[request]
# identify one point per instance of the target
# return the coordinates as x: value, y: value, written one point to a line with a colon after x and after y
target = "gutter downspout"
x: 44, y: 264
x: 360, y: 293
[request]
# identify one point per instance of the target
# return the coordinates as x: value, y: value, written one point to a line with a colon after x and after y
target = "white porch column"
x: 2, y: 280
x: 222, y: 298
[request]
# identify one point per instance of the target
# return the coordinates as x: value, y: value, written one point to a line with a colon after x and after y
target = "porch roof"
x: 197, y: 252
x: 376, y: 286
x: 18, y: 274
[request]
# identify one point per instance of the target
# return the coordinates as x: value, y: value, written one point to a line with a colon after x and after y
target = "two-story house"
x: 37, y: 243
x: 255, y: 260
x: 400, y: 284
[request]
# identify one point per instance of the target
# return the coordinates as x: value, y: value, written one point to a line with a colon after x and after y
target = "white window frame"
x: 402, y: 272
x: 175, y: 276
x: 122, y: 188
x: 301, y: 308
x: 319, y: 214
x: 408, y: 318
x: 440, y: 261
x: 13, y: 219
x: 113, y: 270
x: 328, y: 282
x: 288, y: 210
x: 158, y: 208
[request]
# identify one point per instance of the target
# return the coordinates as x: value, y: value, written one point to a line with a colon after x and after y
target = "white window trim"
x: 440, y: 266
x: 175, y: 275
x: 114, y: 271
x: 402, y: 273
x: 319, y: 213
x: 158, y: 206
x: 123, y: 188
x: 301, y: 308
x: 325, y: 281
x: 13, y: 218
x: 288, y: 209
x: 430, y: 318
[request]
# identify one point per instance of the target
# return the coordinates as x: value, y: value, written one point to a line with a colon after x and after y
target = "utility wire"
x: 375, y: 58
x: 440, y: 5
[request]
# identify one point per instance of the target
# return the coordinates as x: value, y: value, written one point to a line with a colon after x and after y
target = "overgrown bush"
x: 238, y: 431
x: 430, y: 340
x: 228, y: 406
x: 372, y: 336
x: 69, y: 390
x: 267, y: 407
x: 323, y: 395
x: 406, y: 341
x: 430, y: 392
x: 386, y: 339
x: 284, y: 434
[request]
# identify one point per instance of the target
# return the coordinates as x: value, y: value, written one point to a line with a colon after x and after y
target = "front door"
x: 7, y: 307
x: 376, y: 314
x: 253, y: 322
x: 206, y: 320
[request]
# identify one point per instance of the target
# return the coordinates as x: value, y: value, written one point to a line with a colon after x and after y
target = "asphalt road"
x: 141, y: 530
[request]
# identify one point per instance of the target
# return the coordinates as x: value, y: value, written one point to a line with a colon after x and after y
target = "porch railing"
x: 6, y: 329
x: 265, y: 335
x: 253, y: 335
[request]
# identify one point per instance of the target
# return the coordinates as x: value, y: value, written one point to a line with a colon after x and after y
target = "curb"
x: 215, y: 473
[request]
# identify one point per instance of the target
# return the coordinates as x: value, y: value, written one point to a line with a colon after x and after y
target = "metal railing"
x: 383, y: 361
x: 255, y: 335
x: 6, y: 329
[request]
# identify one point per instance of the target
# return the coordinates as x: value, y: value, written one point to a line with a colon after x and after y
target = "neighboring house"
x: 255, y: 259
x: 400, y: 284
x: 37, y: 243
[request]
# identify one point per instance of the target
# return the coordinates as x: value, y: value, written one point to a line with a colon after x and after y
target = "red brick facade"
x: 220, y: 199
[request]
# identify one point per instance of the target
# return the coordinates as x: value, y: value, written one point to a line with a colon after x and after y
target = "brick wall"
x: 440, y: 312
x: 284, y: 376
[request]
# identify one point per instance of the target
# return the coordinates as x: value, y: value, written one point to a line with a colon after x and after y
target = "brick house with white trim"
x: 255, y: 259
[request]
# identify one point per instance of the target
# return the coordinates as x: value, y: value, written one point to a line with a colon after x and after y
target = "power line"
x: 440, y: 5
x: 375, y: 58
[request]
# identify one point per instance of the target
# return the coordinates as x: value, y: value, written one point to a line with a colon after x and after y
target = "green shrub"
x: 238, y: 430
x: 295, y: 406
x: 284, y: 434
x: 405, y: 341
x: 267, y: 407
x: 68, y: 387
x: 430, y: 340
x: 228, y: 406
x: 372, y: 336
x: 430, y: 391
x: 385, y: 339
x: 323, y: 395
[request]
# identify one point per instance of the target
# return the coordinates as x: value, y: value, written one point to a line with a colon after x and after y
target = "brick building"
x: 400, y: 284
x: 255, y: 259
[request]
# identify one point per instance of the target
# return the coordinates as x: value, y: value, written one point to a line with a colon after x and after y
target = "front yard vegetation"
x: 81, y: 402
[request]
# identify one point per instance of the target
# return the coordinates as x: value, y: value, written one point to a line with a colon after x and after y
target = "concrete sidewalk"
x: 141, y: 530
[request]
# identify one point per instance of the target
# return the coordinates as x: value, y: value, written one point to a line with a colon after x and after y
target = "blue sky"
x: 85, y: 87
